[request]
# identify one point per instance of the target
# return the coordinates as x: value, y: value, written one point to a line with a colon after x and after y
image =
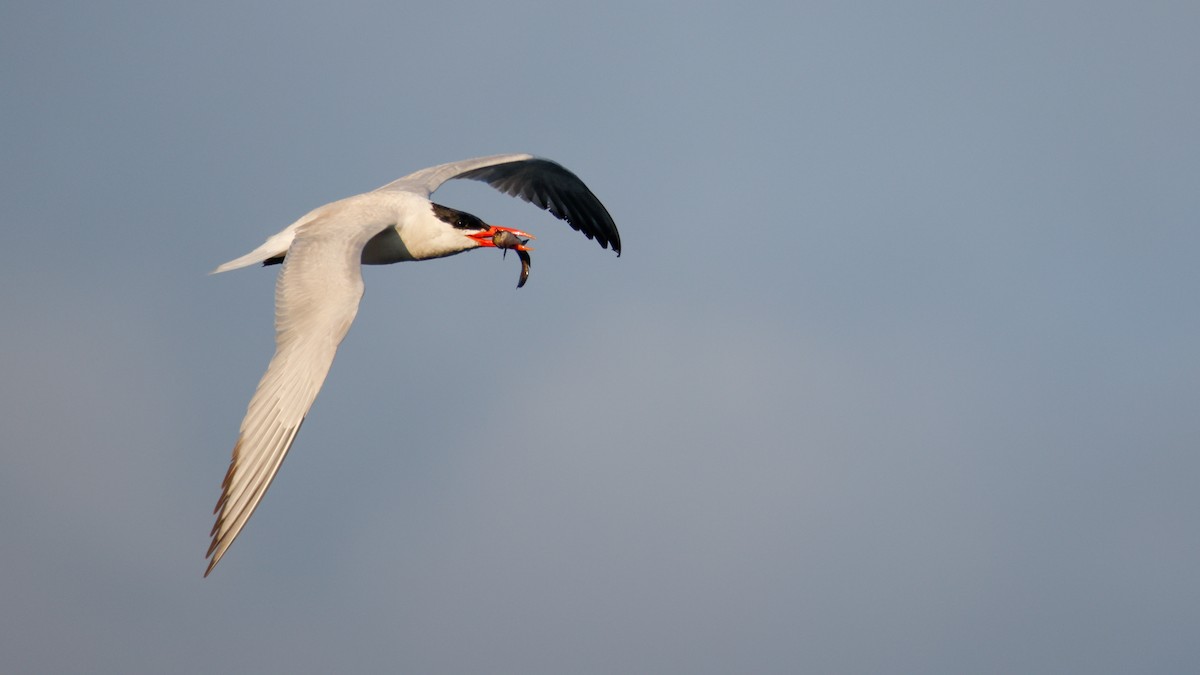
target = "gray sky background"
x: 898, y: 372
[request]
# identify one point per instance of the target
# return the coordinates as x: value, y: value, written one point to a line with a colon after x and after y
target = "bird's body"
x: 320, y: 285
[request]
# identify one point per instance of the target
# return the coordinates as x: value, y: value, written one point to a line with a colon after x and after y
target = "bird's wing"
x: 540, y: 182
x: 316, y: 298
x: 425, y: 181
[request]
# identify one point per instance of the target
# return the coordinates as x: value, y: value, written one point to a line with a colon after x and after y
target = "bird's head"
x: 480, y: 233
x: 483, y: 235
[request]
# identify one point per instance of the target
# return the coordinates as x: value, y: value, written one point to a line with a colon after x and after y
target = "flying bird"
x: 320, y: 284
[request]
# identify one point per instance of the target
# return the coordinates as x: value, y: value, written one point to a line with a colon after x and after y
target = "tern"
x: 320, y: 284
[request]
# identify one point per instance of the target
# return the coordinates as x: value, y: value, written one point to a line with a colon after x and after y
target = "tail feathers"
x: 272, y: 251
x: 238, y: 263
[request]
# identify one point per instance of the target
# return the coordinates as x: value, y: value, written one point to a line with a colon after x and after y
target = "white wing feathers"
x: 316, y: 299
x: 425, y: 181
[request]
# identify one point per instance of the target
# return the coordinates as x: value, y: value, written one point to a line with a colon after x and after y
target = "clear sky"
x: 898, y: 372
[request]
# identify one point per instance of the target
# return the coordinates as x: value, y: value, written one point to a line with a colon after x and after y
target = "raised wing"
x: 540, y: 182
x: 425, y: 181
x: 316, y: 299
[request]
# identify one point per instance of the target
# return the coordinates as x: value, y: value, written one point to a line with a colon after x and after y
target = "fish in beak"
x: 505, y: 238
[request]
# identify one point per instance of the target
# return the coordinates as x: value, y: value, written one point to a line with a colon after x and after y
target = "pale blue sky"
x: 897, y: 373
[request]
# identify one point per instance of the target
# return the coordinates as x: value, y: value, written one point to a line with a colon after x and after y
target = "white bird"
x: 320, y: 284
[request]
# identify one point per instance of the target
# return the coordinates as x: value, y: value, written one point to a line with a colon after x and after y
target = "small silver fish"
x: 505, y: 240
